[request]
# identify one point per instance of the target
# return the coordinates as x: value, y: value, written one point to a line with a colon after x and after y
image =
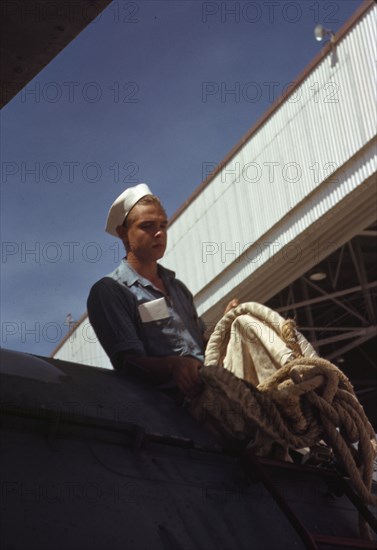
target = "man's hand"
x: 185, y: 372
x: 233, y: 303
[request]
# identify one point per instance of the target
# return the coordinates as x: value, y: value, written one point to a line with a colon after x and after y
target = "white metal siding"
x: 324, y: 125
x: 83, y: 347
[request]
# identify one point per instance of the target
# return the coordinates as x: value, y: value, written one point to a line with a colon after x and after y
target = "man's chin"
x: 158, y: 251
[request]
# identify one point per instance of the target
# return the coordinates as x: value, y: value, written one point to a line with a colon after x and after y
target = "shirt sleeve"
x: 112, y: 311
x: 196, y: 324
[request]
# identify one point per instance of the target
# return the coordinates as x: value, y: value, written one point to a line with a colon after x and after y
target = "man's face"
x: 147, y: 235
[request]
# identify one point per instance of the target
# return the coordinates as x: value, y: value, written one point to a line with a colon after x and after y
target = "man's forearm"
x: 183, y: 370
x: 154, y: 368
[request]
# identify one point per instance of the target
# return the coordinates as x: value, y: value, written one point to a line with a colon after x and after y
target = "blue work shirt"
x: 113, y: 309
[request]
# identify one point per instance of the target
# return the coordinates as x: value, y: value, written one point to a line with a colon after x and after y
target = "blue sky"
x: 143, y: 94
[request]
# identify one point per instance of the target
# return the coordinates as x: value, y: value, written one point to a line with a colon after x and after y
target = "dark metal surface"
x: 335, y: 485
x: 294, y: 520
x: 81, y: 472
x: 100, y: 394
x: 69, y: 495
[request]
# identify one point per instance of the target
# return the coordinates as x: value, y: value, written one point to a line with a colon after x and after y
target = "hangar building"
x: 289, y: 217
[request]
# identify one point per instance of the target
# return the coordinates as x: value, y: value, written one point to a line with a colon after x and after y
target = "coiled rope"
x: 306, y: 400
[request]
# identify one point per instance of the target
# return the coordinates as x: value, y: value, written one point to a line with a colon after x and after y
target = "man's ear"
x: 122, y: 234
x: 122, y: 231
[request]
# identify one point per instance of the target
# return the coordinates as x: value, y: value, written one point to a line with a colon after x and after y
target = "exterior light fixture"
x: 320, y: 33
x: 317, y: 276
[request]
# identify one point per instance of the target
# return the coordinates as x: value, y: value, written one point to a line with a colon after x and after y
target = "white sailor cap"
x: 121, y: 207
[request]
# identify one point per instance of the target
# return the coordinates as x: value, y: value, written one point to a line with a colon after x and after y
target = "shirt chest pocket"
x: 154, y: 311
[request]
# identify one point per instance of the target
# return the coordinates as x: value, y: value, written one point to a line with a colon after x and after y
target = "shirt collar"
x: 124, y: 273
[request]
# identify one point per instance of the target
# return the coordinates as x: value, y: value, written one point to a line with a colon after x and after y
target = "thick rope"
x: 341, y: 415
x: 340, y: 408
x: 306, y: 400
x: 289, y: 336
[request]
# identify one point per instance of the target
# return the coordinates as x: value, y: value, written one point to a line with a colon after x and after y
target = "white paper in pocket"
x: 154, y: 310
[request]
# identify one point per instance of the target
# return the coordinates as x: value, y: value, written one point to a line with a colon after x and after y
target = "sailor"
x: 143, y: 316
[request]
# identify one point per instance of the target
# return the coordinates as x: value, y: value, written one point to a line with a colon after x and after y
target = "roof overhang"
x: 34, y: 32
